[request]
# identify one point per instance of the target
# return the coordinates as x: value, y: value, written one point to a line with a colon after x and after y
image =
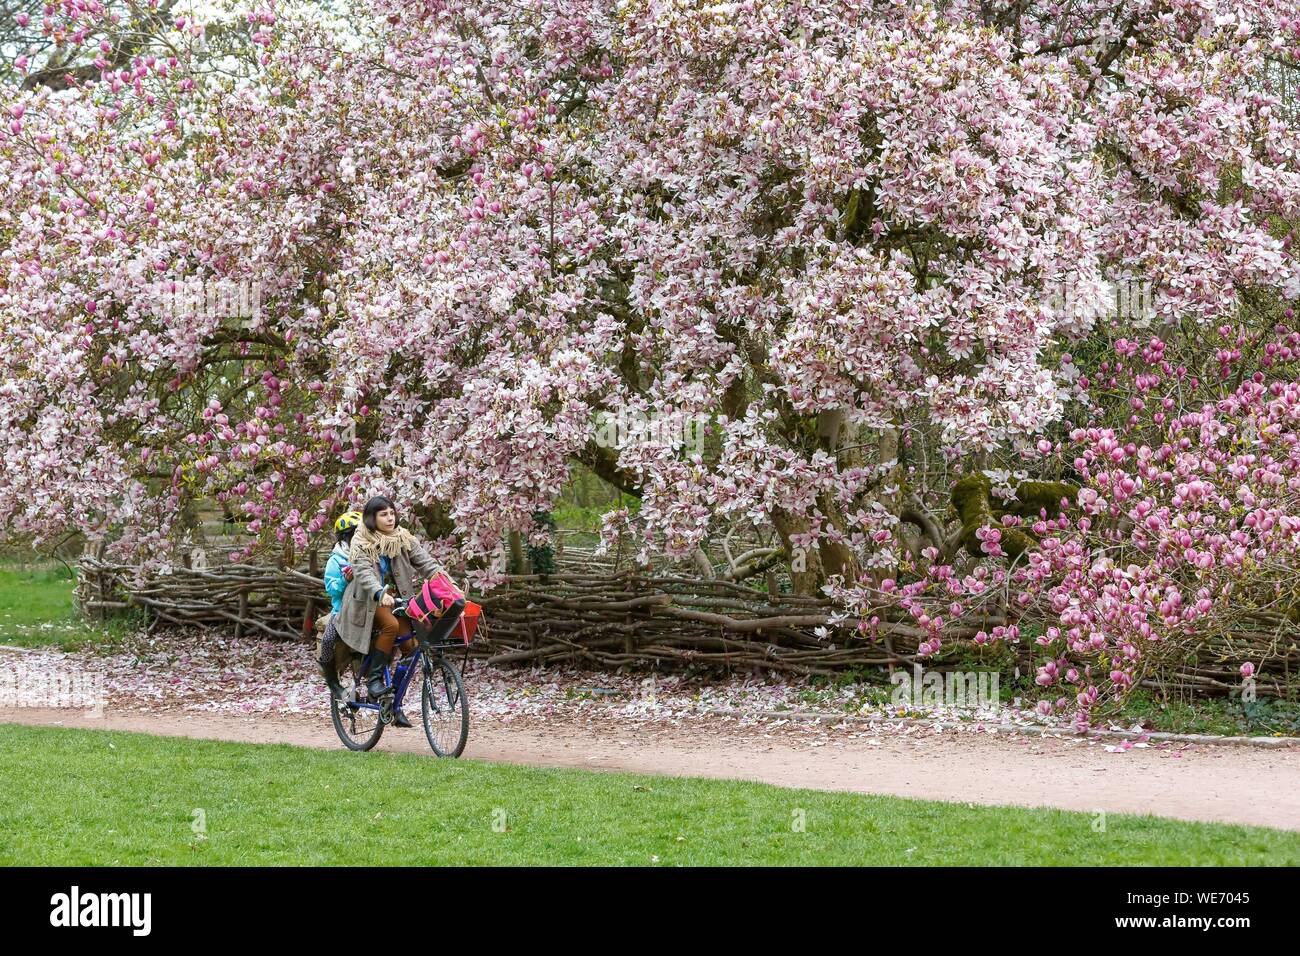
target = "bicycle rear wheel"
x: 358, y: 727
x: 444, y: 706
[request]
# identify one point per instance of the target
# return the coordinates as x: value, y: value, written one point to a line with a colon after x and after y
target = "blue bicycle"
x: 444, y: 708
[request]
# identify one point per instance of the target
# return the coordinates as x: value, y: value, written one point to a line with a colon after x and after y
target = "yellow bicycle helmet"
x: 348, y: 521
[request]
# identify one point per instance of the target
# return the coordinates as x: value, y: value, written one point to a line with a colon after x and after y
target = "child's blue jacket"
x: 335, y: 582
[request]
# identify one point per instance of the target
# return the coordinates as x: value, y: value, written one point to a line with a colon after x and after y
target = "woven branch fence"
x: 607, y: 618
x: 603, y: 619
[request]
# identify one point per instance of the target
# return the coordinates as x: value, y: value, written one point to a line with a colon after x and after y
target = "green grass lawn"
x: 79, y: 797
x: 36, y: 606
x: 36, y: 609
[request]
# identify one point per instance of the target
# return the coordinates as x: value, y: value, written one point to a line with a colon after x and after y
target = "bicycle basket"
x: 467, y: 626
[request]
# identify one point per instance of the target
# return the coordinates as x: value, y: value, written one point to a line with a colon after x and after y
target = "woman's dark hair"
x: 373, y: 507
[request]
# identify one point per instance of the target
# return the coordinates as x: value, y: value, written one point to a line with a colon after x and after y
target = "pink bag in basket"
x: 438, y: 594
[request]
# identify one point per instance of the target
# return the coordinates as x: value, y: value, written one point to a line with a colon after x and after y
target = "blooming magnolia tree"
x: 868, y: 244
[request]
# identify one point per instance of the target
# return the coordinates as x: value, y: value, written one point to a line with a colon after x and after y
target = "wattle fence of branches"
x: 605, y: 617
x: 593, y: 610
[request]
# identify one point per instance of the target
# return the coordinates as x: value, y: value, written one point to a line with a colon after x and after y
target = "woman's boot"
x: 375, y: 685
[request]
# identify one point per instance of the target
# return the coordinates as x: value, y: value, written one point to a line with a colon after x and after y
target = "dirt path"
x: 1226, y: 784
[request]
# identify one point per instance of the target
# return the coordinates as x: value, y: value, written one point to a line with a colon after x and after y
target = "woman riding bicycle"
x: 383, y: 555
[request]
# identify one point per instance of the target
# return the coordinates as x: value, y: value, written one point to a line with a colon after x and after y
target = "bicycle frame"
x: 399, y: 678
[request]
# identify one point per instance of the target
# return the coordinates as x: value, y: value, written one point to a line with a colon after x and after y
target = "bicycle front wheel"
x: 444, y: 706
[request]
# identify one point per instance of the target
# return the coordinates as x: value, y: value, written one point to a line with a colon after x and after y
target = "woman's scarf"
x: 375, y: 543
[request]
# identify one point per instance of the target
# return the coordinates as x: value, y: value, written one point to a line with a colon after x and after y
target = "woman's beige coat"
x: 411, y: 568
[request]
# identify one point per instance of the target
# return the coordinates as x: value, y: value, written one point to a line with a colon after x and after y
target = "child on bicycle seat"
x: 338, y: 572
